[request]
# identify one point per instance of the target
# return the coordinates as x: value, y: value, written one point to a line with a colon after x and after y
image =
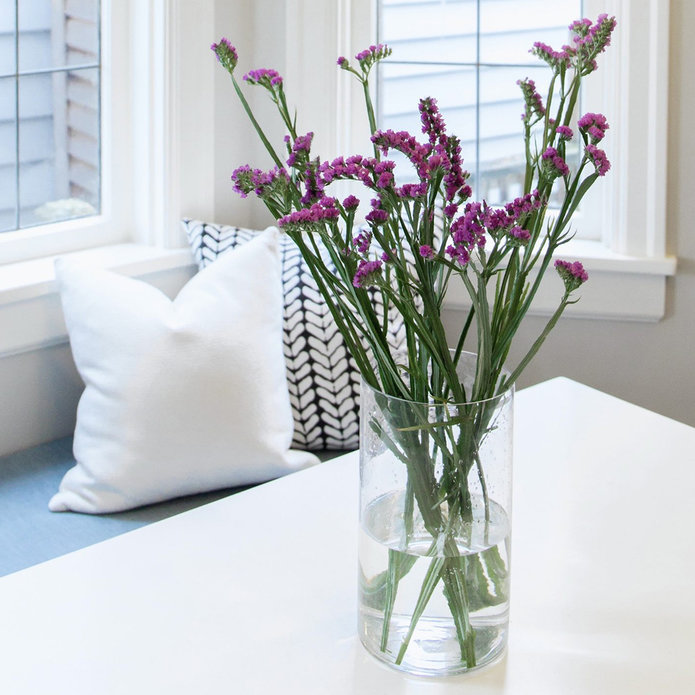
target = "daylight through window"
x: 50, y: 74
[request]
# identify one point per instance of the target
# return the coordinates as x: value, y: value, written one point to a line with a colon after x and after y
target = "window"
x: 50, y: 123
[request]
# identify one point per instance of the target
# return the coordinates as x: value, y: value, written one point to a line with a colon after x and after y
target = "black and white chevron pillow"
x: 322, y: 378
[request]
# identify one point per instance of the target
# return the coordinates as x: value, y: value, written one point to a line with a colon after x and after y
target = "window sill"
x: 30, y: 310
x: 628, y: 288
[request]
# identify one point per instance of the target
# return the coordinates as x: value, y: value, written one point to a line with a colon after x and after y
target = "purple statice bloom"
x: 565, y: 132
x: 350, y: 203
x: 309, y: 216
x: 532, y: 99
x: 523, y: 205
x: 467, y: 233
x: 300, y: 149
x: 412, y: 190
x: 264, y: 77
x: 342, y: 62
x: 572, y: 274
x: 377, y: 216
x: 226, y: 54
x: 451, y: 209
x: 248, y: 180
x: 598, y: 157
x: 313, y: 185
x: 594, y: 125
x: 589, y: 40
x: 371, y: 55
x: 426, y: 251
x: 362, y: 241
x: 432, y: 122
x: 554, y: 164
x: 556, y: 59
x: 519, y: 235
x: 455, y: 178
x: 367, y: 272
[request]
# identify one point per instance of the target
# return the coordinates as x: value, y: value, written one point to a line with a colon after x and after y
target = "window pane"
x: 508, y: 28
x: 58, y: 146
x: 7, y: 39
x: 429, y: 30
x: 8, y: 155
x: 56, y: 34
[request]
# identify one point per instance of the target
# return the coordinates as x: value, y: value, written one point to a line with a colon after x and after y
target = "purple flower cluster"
x: 556, y: 59
x: 362, y: 241
x: 553, y: 164
x: 226, y: 54
x: 377, y: 215
x: 594, y: 125
x: 248, y: 180
x: 532, y: 99
x: 324, y: 209
x: 350, y: 203
x: 588, y: 40
x: 441, y: 154
x: 467, y: 233
x: 432, y: 122
x: 426, y: 251
x: 367, y: 272
x: 572, y: 274
x: 264, y: 77
x: 298, y: 152
x: 599, y: 158
x: 371, y: 55
x: 412, y: 190
x: 565, y: 132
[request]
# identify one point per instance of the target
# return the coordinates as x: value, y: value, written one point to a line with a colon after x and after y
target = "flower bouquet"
x: 436, y: 419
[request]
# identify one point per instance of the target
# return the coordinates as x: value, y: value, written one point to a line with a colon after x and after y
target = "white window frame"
x: 152, y: 91
x: 629, y: 265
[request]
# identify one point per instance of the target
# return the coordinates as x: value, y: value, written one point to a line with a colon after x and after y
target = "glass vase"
x: 434, y: 541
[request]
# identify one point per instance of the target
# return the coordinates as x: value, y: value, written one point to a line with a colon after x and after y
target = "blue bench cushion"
x: 30, y: 533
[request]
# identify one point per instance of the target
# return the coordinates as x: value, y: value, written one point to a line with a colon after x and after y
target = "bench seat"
x: 30, y: 534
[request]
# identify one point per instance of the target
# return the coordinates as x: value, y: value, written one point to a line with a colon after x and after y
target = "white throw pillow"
x: 180, y: 396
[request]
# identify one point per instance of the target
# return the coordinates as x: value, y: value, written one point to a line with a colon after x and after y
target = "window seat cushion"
x: 30, y: 533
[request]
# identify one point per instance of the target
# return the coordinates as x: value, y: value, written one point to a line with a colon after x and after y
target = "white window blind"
x: 50, y: 122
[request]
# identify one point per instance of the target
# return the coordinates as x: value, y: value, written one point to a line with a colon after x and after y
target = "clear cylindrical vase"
x: 435, y: 531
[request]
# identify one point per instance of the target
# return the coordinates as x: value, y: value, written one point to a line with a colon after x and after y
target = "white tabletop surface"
x: 256, y: 593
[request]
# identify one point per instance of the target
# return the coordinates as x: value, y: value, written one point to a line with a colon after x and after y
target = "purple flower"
x: 432, y: 122
x: 572, y: 274
x: 262, y: 183
x: 298, y: 153
x: 595, y: 125
x: 556, y: 59
x: 367, y: 273
x: 519, y: 236
x: 264, y: 77
x: 565, y: 132
x: 342, y: 62
x: 598, y: 157
x: 362, y: 241
x: 226, y: 54
x: 350, y: 203
x: 589, y: 40
x: 554, y: 164
x: 450, y: 210
x: 426, y: 251
x: 306, y: 218
x: 370, y: 56
x: 532, y: 99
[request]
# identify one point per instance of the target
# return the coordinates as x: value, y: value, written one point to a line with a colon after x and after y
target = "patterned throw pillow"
x: 322, y: 378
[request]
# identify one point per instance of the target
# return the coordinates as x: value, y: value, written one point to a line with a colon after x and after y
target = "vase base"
x: 435, y: 650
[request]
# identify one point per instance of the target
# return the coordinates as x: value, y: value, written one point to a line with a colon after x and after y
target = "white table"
x: 256, y: 593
